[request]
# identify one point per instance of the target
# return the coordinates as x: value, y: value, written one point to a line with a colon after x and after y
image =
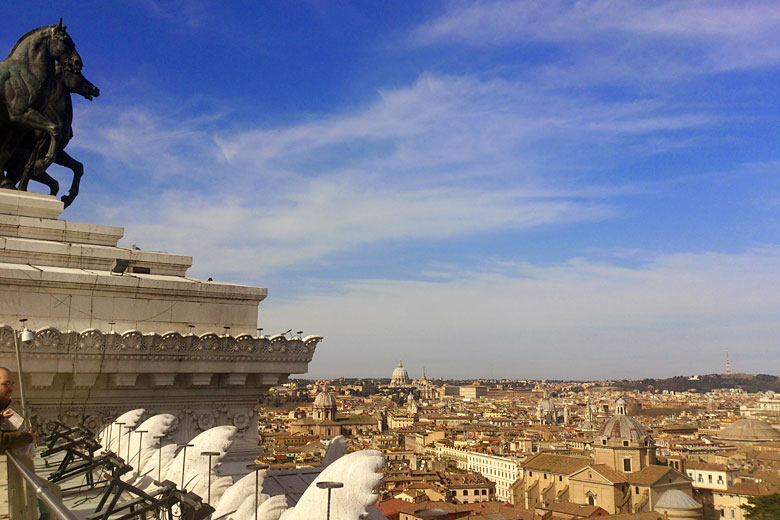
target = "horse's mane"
x: 24, y: 37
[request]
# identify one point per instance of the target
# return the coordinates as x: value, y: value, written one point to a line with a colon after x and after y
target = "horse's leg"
x: 48, y: 180
x: 30, y: 167
x: 63, y: 159
x: 37, y: 121
x: 7, y: 151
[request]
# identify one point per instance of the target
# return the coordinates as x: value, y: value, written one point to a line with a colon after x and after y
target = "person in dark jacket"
x: 11, y: 439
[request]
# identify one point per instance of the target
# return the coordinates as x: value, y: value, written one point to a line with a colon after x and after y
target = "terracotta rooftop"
x: 705, y: 466
x: 608, y: 473
x: 552, y: 463
x: 750, y: 488
x: 570, y: 508
x: 649, y: 475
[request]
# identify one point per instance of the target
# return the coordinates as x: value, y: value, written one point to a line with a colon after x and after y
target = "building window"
x: 604, y: 442
x: 560, y: 478
x: 636, y: 488
x: 591, y: 500
x: 625, y: 443
x: 701, y: 477
x: 710, y: 478
x: 627, y: 465
x: 545, y: 476
x: 530, y: 473
x: 732, y: 513
x: 484, y: 491
x: 722, y: 512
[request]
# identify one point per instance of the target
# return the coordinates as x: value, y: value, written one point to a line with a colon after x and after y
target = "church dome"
x: 324, y: 400
x: 400, y: 376
x: 749, y: 430
x: 676, y: 499
x: 622, y: 426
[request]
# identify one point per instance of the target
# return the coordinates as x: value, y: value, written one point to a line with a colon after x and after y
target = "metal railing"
x: 41, y: 488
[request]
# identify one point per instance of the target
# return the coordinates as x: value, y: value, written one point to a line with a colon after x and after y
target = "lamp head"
x: 27, y: 337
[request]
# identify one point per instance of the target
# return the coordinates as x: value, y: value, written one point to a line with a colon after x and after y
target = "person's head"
x: 6, y: 384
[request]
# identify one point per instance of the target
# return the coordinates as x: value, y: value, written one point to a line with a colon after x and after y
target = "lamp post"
x: 119, y: 440
x: 159, y: 455
x: 184, y: 461
x: 330, y: 486
x: 129, y: 436
x: 209, y: 454
x: 27, y: 337
x: 140, y: 443
x: 256, y: 468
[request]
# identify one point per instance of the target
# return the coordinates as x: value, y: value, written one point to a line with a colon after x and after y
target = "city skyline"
x: 587, y: 190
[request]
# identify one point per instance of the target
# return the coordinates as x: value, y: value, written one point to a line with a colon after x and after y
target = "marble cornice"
x: 134, y: 344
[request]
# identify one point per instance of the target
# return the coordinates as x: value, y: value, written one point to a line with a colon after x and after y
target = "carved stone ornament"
x: 206, y: 421
x: 47, y: 339
x: 6, y: 338
x: 91, y: 339
x: 134, y: 342
x: 241, y: 421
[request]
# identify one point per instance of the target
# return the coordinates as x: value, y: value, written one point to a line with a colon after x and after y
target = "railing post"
x: 22, y: 502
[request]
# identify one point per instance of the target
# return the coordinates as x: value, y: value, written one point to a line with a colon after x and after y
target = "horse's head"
x: 62, y: 48
x: 76, y: 83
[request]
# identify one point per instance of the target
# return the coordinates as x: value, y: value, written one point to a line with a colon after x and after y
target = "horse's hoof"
x: 67, y: 200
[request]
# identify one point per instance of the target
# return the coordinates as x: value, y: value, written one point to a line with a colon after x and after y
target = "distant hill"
x: 747, y: 382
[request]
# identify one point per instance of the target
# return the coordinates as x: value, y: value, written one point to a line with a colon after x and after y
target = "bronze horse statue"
x: 60, y: 107
x: 27, y: 78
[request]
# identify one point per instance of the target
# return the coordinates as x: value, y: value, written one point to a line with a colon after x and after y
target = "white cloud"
x: 326, y: 216
x: 695, y: 35
x: 446, y: 122
x: 580, y: 319
x: 444, y: 157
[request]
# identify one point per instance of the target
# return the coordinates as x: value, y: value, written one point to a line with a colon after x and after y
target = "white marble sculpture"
x: 196, y: 467
x: 337, y: 448
x: 146, y: 445
x: 114, y: 435
x: 273, y: 508
x: 360, y: 474
x: 240, y: 496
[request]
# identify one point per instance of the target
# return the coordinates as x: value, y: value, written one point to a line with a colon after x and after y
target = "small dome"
x: 749, y: 430
x: 324, y: 400
x: 676, y: 499
x: 623, y: 427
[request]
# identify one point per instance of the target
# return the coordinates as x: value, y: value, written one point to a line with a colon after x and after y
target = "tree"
x: 764, y: 507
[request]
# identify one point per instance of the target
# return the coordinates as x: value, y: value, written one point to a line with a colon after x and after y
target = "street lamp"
x: 209, y: 454
x: 27, y: 338
x: 330, y: 486
x: 256, y: 468
x: 184, y: 461
x: 159, y: 439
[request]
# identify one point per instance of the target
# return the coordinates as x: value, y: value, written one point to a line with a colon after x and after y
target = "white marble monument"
x: 147, y: 337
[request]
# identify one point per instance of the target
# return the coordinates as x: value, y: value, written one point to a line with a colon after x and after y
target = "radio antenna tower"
x: 728, y: 363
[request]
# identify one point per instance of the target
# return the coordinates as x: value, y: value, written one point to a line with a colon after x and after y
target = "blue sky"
x: 486, y: 189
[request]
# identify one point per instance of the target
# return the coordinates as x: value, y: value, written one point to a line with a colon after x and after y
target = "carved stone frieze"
x: 134, y: 342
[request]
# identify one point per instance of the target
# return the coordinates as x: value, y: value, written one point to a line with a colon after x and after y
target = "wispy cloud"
x: 459, y: 125
x: 327, y: 216
x: 441, y: 158
x: 692, y: 35
x: 673, y: 314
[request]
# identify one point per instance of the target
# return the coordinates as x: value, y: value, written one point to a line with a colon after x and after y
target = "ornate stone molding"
x: 136, y: 343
